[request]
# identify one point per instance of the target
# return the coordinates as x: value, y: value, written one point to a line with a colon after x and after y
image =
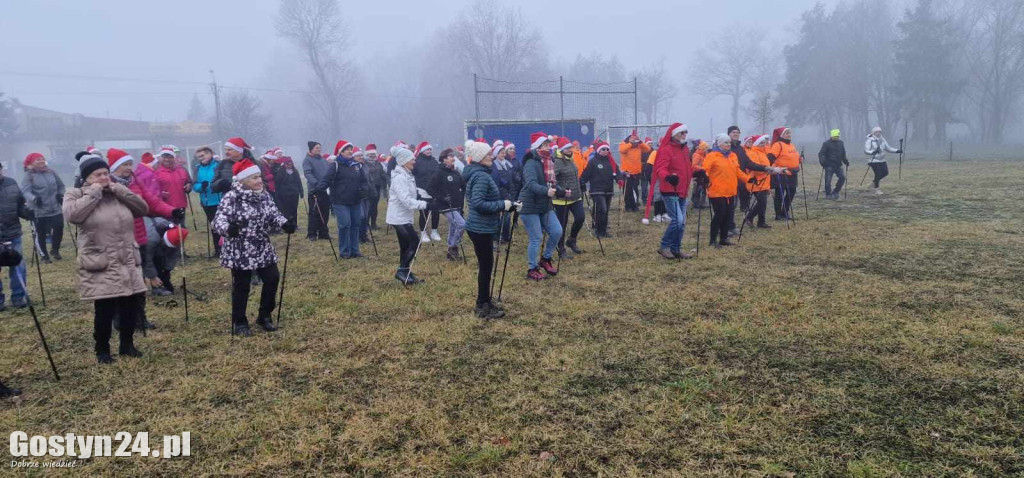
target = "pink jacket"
x: 172, y: 185
x: 145, y: 176
x: 157, y: 208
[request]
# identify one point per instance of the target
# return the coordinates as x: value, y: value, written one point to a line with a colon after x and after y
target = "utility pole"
x: 216, y: 105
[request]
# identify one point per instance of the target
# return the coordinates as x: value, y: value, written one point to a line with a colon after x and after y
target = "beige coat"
x: 109, y: 264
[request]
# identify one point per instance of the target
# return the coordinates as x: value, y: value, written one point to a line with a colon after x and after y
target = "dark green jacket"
x: 484, y: 199
x: 568, y: 177
x: 534, y: 195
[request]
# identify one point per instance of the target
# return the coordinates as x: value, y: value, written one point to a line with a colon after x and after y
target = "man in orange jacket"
x: 631, y: 153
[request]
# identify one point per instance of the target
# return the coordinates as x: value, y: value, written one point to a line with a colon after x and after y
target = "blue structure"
x: 518, y: 132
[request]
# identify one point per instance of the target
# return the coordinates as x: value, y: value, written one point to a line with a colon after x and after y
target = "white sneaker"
x: 646, y: 222
x: 878, y: 192
x: 434, y: 235
x: 424, y: 237
x: 665, y: 218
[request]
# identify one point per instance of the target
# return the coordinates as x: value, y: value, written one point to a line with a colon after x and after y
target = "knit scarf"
x: 549, y: 166
x: 126, y: 182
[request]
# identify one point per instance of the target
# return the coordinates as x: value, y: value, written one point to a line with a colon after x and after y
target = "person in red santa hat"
x: 44, y: 194
x: 245, y: 217
x: 426, y: 166
x: 235, y: 150
x: 378, y: 184
x: 540, y: 186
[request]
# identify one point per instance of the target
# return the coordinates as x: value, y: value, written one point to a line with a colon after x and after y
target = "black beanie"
x: 733, y: 128
x: 90, y: 164
x: 311, y: 144
x: 78, y: 156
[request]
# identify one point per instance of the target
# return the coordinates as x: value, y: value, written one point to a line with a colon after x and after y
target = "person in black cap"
x: 13, y: 207
x: 315, y: 168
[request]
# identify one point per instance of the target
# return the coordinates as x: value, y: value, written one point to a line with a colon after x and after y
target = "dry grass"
x: 882, y: 337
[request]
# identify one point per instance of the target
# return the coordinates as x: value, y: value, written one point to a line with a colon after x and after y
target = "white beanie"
x: 722, y: 138
x: 477, y: 151
x: 876, y: 129
x: 403, y: 156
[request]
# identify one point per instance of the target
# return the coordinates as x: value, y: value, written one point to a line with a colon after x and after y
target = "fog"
x: 66, y: 56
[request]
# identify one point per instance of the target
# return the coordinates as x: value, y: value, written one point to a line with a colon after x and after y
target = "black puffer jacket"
x: 287, y: 184
x: 12, y: 207
x: 447, y: 189
x: 600, y: 174
x: 833, y: 154
x: 424, y: 170
x: 348, y: 182
x: 223, y: 176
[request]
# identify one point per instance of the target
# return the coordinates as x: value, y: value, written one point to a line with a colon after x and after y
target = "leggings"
x: 758, y: 207
x: 579, y: 219
x: 483, y: 246
x: 407, y: 243
x: 51, y: 227
x: 601, y: 203
x: 435, y: 219
x: 881, y: 171
x: 241, y: 283
x: 128, y: 311
x: 723, y: 214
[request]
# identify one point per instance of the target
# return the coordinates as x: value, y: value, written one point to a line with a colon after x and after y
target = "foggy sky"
x: 183, y: 39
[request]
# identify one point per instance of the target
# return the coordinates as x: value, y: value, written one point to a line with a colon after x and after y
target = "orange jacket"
x: 758, y: 156
x: 650, y: 159
x: 698, y: 158
x: 579, y: 160
x: 631, y: 157
x: 724, y: 173
x: 786, y: 155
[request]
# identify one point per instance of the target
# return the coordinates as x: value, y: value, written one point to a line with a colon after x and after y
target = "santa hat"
x: 497, y: 148
x: 679, y: 128
x: 32, y: 157
x: 371, y: 149
x: 424, y: 146
x: 563, y: 144
x: 760, y: 140
x: 91, y: 149
x: 357, y: 151
x: 538, y: 139
x: 601, y: 145
x: 476, y: 151
x: 244, y: 169
x: 342, y: 144
x: 403, y: 156
x: 148, y: 158
x: 749, y: 139
x: 270, y: 154
x: 510, y: 145
x: 648, y: 140
x: 237, y: 144
x: 166, y: 150
x: 175, y: 236
x: 116, y: 157
x: 777, y: 133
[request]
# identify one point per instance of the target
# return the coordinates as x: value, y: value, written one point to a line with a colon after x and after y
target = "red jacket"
x: 157, y: 208
x: 172, y: 185
x: 673, y: 158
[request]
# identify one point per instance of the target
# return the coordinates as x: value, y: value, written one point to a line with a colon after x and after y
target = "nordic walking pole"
x: 37, y: 255
x: 320, y: 213
x: 440, y: 264
x: 820, y: 181
x: 192, y: 212
x: 74, y: 240
x: 803, y: 184
x: 782, y: 192
x: 846, y: 184
x: 184, y: 282
x: 372, y: 241
x: 593, y: 224
x: 865, y: 174
x: 39, y: 328
x: 209, y: 237
x: 700, y: 213
x: 900, y: 176
x: 284, y: 276
x: 508, y: 249
x: 497, y: 251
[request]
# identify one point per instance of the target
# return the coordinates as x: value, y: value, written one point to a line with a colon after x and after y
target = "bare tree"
x: 655, y: 91
x: 994, y: 57
x: 762, y: 110
x: 315, y: 27
x: 723, y: 69
x: 243, y: 116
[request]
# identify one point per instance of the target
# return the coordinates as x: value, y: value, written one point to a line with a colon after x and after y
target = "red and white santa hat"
x: 648, y: 140
x: 538, y: 139
x: 270, y: 154
x: 601, y: 145
x: 244, y: 169
x: 166, y: 150
x: 424, y: 146
x: 92, y: 150
x: 761, y: 140
x: 175, y: 236
x: 497, y: 148
x: 148, y: 158
x: 680, y: 128
x: 564, y: 144
x: 117, y: 157
x: 357, y: 152
x: 371, y: 149
x: 237, y: 144
x: 341, y: 146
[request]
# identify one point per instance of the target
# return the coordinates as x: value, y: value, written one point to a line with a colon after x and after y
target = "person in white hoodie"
x: 402, y: 203
x: 876, y: 147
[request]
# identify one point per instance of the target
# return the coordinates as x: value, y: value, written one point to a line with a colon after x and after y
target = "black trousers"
x: 289, y: 205
x: 601, y: 203
x: 408, y: 240
x: 483, y: 246
x: 785, y: 190
x: 735, y: 202
x: 435, y: 218
x: 163, y: 271
x: 211, y: 212
x: 722, y: 215
x: 371, y: 211
x: 579, y: 219
x: 241, y: 283
x: 50, y: 227
x: 744, y: 196
x: 319, y: 216
x: 128, y: 311
x: 881, y: 170
x: 758, y: 207
x: 632, y: 192
x: 659, y: 208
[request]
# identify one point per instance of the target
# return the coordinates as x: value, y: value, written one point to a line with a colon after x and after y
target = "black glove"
x: 752, y: 180
x: 290, y: 227
x: 178, y: 215
x: 672, y: 179
x: 234, y: 229
x: 9, y: 257
x: 39, y: 201
x: 204, y: 186
x: 430, y: 204
x: 60, y: 199
x: 899, y: 151
x: 559, y: 192
x: 847, y: 163
x: 31, y: 215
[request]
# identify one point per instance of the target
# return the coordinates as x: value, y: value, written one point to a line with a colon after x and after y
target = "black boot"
x: 266, y: 324
x: 488, y: 311
x: 571, y: 244
x: 453, y: 253
x: 7, y: 392
x: 127, y: 348
x: 56, y: 255
x: 241, y: 328
x: 103, y: 354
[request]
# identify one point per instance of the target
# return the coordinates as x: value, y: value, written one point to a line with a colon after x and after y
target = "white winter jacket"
x: 876, y: 148
x: 402, y: 200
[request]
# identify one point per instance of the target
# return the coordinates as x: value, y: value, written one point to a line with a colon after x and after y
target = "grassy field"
x: 882, y: 337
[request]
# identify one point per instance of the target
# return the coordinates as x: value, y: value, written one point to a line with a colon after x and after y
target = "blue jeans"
x: 350, y: 217
x: 839, y: 173
x: 675, y: 207
x: 17, y: 285
x: 536, y: 225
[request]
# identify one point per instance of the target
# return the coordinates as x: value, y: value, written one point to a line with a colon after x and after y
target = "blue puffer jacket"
x: 206, y: 174
x: 485, y: 201
x: 534, y: 194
